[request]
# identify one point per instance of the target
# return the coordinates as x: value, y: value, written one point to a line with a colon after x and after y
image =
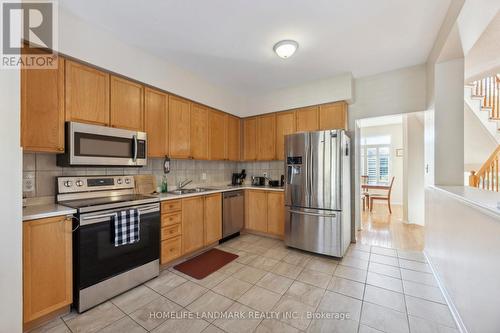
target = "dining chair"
x: 383, y: 197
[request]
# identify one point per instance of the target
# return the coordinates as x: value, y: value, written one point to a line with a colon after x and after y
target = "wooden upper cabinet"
x: 285, y: 124
x: 217, y: 124
x: 333, y: 116
x: 87, y: 94
x: 233, y: 138
x: 266, y: 137
x: 156, y: 122
x: 213, y: 218
x: 307, y: 119
x: 127, y: 107
x: 199, y: 132
x: 256, y: 210
x: 276, y: 213
x: 42, y: 109
x: 192, y: 224
x: 249, y: 139
x: 47, y: 266
x: 179, y: 127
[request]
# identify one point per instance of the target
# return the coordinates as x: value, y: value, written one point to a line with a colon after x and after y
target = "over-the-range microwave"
x: 93, y: 145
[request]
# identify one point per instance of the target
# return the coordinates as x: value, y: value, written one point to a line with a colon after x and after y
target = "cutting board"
x: 145, y: 184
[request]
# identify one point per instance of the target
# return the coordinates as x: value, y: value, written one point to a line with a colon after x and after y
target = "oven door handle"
x: 84, y: 220
x: 135, y: 148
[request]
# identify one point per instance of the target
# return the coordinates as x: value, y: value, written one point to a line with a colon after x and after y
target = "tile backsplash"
x: 42, y: 169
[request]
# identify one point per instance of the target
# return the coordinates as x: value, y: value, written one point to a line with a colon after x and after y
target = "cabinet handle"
x: 60, y: 148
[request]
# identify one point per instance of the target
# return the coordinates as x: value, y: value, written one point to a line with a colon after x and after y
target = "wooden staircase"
x: 488, y: 90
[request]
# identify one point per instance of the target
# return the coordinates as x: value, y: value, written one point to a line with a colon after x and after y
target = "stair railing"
x: 489, y: 89
x: 487, y: 177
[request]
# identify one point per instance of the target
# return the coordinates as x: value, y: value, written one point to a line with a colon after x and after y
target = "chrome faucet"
x: 183, y: 183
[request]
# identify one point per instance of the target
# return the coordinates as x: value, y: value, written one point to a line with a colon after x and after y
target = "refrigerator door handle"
x: 312, y: 214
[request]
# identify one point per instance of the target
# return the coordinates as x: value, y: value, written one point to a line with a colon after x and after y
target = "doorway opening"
x: 390, y: 163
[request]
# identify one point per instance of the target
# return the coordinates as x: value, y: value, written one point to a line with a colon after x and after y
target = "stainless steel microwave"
x: 93, y: 145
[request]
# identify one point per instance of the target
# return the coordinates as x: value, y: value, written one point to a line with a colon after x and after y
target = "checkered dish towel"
x: 127, y: 227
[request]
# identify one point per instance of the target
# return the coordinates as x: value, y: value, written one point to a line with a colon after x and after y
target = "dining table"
x: 375, y: 186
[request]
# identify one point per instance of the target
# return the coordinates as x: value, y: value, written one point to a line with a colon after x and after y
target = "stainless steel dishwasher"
x: 233, y: 216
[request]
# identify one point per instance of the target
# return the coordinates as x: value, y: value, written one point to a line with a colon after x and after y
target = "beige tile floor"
x: 375, y: 289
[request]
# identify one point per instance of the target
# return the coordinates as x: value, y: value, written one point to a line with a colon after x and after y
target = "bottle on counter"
x: 164, y: 185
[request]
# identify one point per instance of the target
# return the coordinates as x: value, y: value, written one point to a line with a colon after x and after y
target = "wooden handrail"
x: 489, y: 89
x: 487, y: 177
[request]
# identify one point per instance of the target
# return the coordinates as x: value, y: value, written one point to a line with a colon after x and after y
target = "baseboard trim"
x: 453, y: 309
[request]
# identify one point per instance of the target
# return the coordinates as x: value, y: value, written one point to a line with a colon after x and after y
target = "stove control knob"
x: 127, y: 180
x: 119, y: 181
x: 68, y: 183
x: 79, y: 183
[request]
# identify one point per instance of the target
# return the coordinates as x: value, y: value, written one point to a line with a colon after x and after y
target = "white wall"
x: 478, y: 142
x: 98, y: 47
x: 414, y: 168
x: 10, y: 204
x: 332, y: 89
x: 462, y: 244
x: 395, y: 131
x: 449, y: 123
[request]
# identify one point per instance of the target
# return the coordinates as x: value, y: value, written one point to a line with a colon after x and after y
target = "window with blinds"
x: 375, y: 162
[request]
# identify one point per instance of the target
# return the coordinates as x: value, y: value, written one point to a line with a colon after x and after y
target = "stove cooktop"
x: 93, y: 202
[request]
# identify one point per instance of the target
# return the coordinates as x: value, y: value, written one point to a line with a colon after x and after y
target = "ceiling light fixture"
x: 285, y: 48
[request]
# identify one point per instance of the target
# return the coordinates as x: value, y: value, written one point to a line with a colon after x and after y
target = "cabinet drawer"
x: 170, y: 249
x: 169, y: 219
x: 171, y: 231
x: 170, y: 206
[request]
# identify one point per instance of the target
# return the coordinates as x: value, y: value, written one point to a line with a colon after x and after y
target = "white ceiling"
x: 229, y: 42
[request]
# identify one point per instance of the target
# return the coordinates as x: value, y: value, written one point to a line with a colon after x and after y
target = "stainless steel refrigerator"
x: 317, y: 192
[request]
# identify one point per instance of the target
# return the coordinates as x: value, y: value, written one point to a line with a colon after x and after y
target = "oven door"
x: 95, y: 254
x: 100, y: 145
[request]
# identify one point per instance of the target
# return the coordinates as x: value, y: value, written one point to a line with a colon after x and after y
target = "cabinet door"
x: 47, y: 266
x: 192, y: 224
x: 307, y: 119
x: 276, y: 213
x: 42, y: 109
x: 285, y: 124
x: 256, y: 210
x: 199, y: 132
x: 127, y: 107
x: 87, y: 94
x: 333, y: 116
x: 266, y: 137
x: 156, y: 124
x: 217, y: 135
x: 233, y: 138
x: 179, y: 127
x: 249, y: 139
x: 213, y: 218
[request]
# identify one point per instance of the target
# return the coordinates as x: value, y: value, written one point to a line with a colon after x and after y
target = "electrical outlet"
x: 203, y: 176
x: 29, y: 182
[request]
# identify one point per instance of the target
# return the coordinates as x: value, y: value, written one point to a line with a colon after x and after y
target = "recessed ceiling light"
x: 285, y: 48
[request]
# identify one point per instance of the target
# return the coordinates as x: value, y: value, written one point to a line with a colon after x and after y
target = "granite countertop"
x: 487, y: 200
x: 218, y: 189
x: 42, y: 211
x: 50, y: 210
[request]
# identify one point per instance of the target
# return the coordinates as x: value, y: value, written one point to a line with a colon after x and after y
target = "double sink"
x: 190, y: 190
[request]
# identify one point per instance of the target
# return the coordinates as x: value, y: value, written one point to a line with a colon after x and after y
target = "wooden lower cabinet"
x: 256, y: 210
x: 189, y: 224
x: 47, y: 267
x: 192, y: 224
x: 276, y: 213
x: 212, y: 218
x: 265, y: 212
